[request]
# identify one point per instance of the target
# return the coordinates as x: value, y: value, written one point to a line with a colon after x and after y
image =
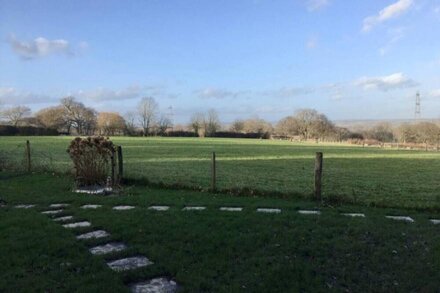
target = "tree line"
x: 72, y: 117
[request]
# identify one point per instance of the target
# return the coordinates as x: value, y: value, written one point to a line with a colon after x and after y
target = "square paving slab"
x: 24, y: 206
x: 59, y: 205
x: 77, y: 225
x: 63, y: 219
x: 155, y: 285
x: 129, y: 263
x: 93, y: 235
x: 91, y: 206
x: 52, y: 212
x: 309, y: 212
x: 354, y: 215
x: 123, y: 208
x: 231, y: 209
x: 266, y: 210
x: 107, y: 248
x: 159, y: 208
x: 194, y: 208
x: 400, y: 218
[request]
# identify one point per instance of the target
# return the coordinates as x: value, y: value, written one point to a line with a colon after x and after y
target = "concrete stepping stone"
x: 93, y: 235
x: 266, y: 210
x: 155, y: 285
x: 107, y: 248
x: 52, y: 212
x: 309, y: 212
x: 400, y: 218
x: 354, y: 215
x: 159, y: 208
x: 231, y: 209
x: 63, y: 219
x: 193, y: 208
x: 435, y: 221
x: 129, y: 263
x: 77, y: 225
x: 59, y: 205
x: 24, y: 206
x: 91, y: 206
x: 123, y: 208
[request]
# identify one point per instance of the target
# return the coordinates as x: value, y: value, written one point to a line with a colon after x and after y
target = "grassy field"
x: 211, y: 251
x: 373, y: 176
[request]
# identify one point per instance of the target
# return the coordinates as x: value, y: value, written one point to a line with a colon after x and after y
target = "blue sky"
x: 245, y: 58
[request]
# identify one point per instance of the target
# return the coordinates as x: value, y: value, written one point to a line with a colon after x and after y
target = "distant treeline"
x: 8, y: 130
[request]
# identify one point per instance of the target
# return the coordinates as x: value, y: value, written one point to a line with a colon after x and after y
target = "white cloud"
x: 12, y: 96
x: 42, y: 47
x: 217, y: 93
x: 314, y: 5
x: 385, y: 83
x: 391, y: 11
x: 288, y: 92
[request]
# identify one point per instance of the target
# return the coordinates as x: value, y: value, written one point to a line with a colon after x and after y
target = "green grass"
x: 212, y: 251
x: 370, y: 176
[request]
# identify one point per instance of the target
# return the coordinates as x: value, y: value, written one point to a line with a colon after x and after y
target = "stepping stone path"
x: 129, y: 263
x: 63, y: 219
x: 266, y: 210
x: 24, y: 206
x: 400, y: 218
x: 59, y: 205
x: 107, y: 248
x: 353, y: 215
x: 435, y: 221
x: 91, y: 206
x: 155, y: 285
x: 194, y: 208
x: 52, y: 212
x: 77, y: 225
x: 309, y: 212
x: 159, y: 208
x: 93, y: 235
x: 231, y: 209
x: 123, y: 208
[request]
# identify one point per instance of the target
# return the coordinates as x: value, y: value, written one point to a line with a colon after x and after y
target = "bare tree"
x: 15, y: 115
x: 130, y: 122
x: 52, y: 117
x: 288, y: 126
x: 147, y: 111
x: 237, y: 126
x: 196, y: 122
x: 163, y: 124
x: 211, y: 123
x: 110, y: 123
x: 257, y: 125
x: 78, y: 116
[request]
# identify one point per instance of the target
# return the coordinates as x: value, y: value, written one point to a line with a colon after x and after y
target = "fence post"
x: 28, y: 156
x: 120, y: 164
x: 318, y: 175
x: 113, y: 163
x: 213, y: 172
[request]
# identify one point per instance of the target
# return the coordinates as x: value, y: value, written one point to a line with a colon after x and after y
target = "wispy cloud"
x: 314, y: 5
x: 13, y: 96
x: 395, y: 35
x: 217, y: 93
x: 394, y: 10
x: 434, y: 94
x: 41, y: 47
x: 288, y: 92
x: 386, y: 83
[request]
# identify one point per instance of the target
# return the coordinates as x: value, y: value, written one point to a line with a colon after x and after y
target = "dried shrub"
x: 91, y: 158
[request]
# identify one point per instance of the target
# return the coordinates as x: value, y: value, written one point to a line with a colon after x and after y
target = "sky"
x: 352, y: 59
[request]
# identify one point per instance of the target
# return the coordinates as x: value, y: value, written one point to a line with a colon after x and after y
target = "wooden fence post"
x: 318, y: 175
x: 28, y: 156
x: 120, y: 165
x: 113, y: 163
x: 213, y: 172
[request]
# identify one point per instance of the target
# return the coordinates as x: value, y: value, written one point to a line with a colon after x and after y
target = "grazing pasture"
x: 352, y: 174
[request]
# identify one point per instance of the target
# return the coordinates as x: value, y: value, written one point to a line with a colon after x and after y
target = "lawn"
x: 211, y: 250
x: 369, y: 176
